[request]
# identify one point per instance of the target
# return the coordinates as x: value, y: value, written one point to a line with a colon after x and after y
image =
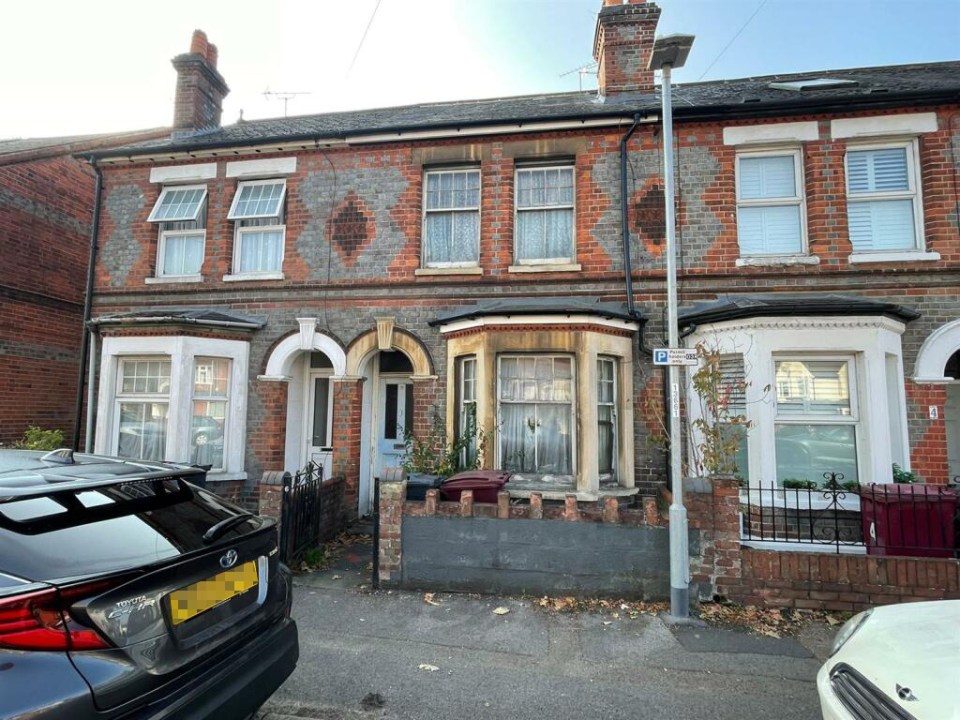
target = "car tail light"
x: 40, y: 621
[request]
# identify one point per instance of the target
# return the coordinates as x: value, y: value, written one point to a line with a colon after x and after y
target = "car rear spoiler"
x: 30, y: 484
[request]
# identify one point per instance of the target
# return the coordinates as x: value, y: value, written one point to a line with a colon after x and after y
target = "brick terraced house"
x: 46, y: 203
x: 311, y: 288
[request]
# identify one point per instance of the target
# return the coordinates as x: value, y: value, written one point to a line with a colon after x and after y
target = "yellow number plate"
x: 194, y: 599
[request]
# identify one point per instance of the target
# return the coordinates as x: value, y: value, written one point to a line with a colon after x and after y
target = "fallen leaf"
x: 428, y: 599
x: 334, y: 577
x: 501, y: 611
x: 428, y: 668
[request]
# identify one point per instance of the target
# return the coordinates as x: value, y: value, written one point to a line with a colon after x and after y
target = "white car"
x: 899, y: 662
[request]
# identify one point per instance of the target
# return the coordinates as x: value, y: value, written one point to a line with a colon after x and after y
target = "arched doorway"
x: 307, y: 363
x: 391, y: 367
x: 938, y: 362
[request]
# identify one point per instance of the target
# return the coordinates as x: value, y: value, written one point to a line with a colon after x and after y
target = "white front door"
x: 319, y: 421
x: 395, y: 420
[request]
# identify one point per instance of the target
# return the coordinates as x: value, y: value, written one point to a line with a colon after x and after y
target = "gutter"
x: 88, y: 304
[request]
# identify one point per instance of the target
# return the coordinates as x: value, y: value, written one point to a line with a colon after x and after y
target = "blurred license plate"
x: 194, y: 599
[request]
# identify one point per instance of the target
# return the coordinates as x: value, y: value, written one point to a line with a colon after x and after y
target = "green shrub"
x: 36, y: 438
x: 796, y: 484
x: 904, y: 477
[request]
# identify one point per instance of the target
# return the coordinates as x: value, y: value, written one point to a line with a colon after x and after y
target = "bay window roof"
x: 736, y: 307
x: 508, y: 307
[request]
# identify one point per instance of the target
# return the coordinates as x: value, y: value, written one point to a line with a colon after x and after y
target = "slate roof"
x: 538, y: 306
x: 876, y: 87
x: 14, y: 148
x: 736, y: 307
x: 202, y: 316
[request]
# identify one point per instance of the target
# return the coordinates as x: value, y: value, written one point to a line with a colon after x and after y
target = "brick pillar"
x: 347, y: 419
x: 393, y: 490
x: 713, y: 507
x: 268, y: 434
x: 270, y: 493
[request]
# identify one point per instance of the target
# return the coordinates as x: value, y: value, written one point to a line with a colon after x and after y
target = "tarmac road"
x: 372, y: 655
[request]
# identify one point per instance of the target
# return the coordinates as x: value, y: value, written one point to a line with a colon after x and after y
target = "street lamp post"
x: 671, y: 52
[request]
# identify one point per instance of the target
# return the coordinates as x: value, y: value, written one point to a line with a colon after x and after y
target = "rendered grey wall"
x: 535, y: 557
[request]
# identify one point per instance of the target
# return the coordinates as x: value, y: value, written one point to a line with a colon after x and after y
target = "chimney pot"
x: 212, y: 55
x: 198, y: 44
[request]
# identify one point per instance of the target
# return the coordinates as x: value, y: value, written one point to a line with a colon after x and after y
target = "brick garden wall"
x: 830, y: 581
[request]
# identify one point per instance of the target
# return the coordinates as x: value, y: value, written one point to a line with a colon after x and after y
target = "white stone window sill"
x: 253, y: 277
x: 221, y: 476
x: 173, y: 279
x: 546, y: 267
x: 807, y: 547
x: 766, y: 260
x: 466, y: 270
x: 900, y: 256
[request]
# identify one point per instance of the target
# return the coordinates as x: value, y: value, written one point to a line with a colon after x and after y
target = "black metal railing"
x: 301, y: 512
x: 888, y: 519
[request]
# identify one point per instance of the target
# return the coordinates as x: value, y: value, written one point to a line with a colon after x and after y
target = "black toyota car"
x: 129, y: 591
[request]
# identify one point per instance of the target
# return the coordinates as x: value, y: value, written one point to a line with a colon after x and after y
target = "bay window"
x: 535, y: 395
x: 178, y: 398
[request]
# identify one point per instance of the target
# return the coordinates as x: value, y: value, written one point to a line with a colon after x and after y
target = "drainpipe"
x: 624, y: 216
x: 87, y: 304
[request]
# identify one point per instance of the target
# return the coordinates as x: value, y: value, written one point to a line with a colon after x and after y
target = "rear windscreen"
x: 109, y: 529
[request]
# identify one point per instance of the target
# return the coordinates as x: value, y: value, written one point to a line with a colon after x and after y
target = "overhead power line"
x: 362, y: 39
x: 733, y: 39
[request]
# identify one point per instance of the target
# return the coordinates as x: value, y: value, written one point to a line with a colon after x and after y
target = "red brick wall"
x: 842, y: 582
x: 347, y: 404
x: 45, y: 213
x: 928, y: 451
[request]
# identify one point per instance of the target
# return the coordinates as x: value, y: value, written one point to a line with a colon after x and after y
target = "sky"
x: 104, y: 65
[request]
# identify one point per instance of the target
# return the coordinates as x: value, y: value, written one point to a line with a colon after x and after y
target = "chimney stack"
x: 622, y: 45
x: 200, y: 89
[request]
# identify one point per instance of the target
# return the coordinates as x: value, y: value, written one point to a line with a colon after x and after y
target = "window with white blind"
x: 816, y: 419
x: 883, y: 200
x: 734, y: 391
x: 258, y: 214
x: 451, y: 218
x: 544, y: 226
x: 181, y: 213
x: 771, y: 214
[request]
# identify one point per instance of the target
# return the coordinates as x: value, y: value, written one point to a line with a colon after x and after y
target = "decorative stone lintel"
x: 385, y: 324
x: 274, y: 378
